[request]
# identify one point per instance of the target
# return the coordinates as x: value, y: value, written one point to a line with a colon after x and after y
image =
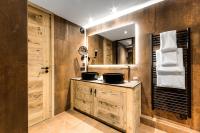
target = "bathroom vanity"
x: 117, y: 105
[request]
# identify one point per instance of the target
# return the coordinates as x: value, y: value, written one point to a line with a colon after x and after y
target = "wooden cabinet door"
x: 38, y: 57
x: 83, y: 98
x: 109, y: 106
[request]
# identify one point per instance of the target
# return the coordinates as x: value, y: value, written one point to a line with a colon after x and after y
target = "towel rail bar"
x: 173, y: 100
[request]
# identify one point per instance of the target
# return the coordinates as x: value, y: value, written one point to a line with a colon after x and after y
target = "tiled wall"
x: 67, y: 40
x: 13, y: 67
x: 167, y: 15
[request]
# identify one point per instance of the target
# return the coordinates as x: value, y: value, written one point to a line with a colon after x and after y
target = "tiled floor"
x: 74, y: 122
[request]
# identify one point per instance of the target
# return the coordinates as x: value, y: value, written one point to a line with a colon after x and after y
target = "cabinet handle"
x: 95, y: 92
x: 90, y: 91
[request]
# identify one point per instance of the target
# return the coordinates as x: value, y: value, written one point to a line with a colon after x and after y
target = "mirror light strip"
x: 122, y: 13
x: 118, y: 66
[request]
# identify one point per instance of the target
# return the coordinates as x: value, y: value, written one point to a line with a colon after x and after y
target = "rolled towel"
x: 168, y: 41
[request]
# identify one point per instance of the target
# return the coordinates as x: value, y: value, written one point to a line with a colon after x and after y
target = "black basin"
x: 113, y: 78
x: 89, y: 75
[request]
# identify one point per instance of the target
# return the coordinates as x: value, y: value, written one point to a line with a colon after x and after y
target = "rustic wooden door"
x: 39, y: 100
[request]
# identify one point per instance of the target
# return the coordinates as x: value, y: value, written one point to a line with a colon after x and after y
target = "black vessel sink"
x: 113, y: 78
x: 89, y: 75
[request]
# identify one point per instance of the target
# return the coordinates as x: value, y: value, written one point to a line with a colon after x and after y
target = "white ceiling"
x: 127, y: 42
x: 79, y: 11
x: 118, y: 34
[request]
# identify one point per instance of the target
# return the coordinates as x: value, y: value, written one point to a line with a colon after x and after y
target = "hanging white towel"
x: 168, y: 41
x: 172, y: 77
x: 168, y: 47
x: 171, y: 81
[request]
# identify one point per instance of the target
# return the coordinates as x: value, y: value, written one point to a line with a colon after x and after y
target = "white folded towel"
x: 172, y: 69
x: 172, y: 77
x: 169, y: 58
x: 171, y: 81
x: 168, y: 41
x: 168, y: 47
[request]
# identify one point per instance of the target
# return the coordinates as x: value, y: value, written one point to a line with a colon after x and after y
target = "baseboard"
x: 164, y: 125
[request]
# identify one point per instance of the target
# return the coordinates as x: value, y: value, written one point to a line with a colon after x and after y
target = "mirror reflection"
x: 116, y: 46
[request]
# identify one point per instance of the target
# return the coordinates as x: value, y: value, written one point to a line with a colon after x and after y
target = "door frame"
x: 52, y: 64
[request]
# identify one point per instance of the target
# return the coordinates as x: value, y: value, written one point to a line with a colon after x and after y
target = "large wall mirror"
x: 112, y: 47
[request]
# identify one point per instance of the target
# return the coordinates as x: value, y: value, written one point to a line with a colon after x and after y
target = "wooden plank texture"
x: 67, y: 40
x: 38, y: 57
x: 117, y: 106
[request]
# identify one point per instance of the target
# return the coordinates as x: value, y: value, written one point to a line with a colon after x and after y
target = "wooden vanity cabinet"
x: 108, y: 103
x: 110, y: 106
x: 83, y: 97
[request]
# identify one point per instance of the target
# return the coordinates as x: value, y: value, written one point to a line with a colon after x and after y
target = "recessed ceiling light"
x: 90, y: 20
x: 125, y: 32
x: 114, y: 10
x: 121, y: 13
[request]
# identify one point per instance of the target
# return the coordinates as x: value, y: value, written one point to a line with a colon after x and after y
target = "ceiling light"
x: 90, y: 20
x: 122, y: 13
x: 125, y: 32
x: 114, y: 10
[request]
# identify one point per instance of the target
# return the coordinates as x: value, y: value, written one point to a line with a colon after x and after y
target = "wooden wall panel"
x: 67, y: 40
x: 13, y: 66
x: 167, y: 15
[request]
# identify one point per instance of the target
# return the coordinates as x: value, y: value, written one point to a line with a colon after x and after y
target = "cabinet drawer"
x: 110, y: 112
x: 83, y: 105
x: 83, y: 91
x: 109, y: 95
x: 83, y: 98
x: 84, y: 88
x: 109, y: 106
x: 109, y: 118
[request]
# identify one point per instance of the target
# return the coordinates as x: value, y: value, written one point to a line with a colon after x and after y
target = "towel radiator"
x: 173, y: 100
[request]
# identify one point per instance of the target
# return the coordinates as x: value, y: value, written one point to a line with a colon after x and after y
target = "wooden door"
x: 39, y: 100
x: 109, y: 106
x: 83, y: 97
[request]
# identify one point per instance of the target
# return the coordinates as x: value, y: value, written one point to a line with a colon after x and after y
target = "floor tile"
x: 75, y: 122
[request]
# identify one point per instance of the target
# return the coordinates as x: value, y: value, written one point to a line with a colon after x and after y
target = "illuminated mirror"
x: 114, y: 46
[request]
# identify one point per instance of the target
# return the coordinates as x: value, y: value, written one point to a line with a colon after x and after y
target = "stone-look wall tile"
x: 196, y: 117
x: 67, y: 40
x: 195, y: 84
x: 164, y: 16
x: 13, y: 67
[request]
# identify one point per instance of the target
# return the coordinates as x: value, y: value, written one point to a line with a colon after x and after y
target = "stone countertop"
x: 131, y: 84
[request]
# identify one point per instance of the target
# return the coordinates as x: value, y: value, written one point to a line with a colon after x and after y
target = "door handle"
x: 95, y: 92
x: 90, y: 91
x: 46, y: 69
